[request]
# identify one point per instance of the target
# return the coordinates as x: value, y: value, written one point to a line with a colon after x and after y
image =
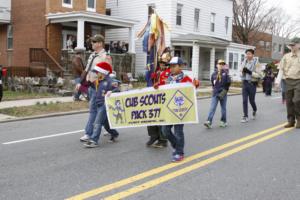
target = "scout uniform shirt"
x: 290, y: 66
x: 96, y: 58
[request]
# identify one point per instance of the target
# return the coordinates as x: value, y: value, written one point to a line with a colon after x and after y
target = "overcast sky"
x: 292, y: 7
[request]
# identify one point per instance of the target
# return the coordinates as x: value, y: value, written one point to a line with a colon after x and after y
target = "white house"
x: 201, y: 31
x: 5, y: 7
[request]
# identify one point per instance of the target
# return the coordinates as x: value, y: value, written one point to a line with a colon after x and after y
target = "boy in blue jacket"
x: 103, y: 86
x: 221, y: 81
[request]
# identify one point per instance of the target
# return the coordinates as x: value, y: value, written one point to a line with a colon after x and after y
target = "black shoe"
x: 290, y: 125
x: 254, y: 115
x: 160, y: 144
x: 151, y: 141
x: 113, y: 139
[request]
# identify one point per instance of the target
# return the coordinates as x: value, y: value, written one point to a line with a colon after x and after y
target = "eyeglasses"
x: 94, y: 41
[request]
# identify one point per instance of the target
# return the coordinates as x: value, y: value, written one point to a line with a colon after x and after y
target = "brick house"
x: 38, y: 30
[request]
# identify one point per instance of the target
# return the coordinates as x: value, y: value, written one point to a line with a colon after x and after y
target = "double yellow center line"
x: 172, y: 175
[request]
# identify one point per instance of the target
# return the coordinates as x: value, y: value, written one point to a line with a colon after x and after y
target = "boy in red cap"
x: 103, y: 87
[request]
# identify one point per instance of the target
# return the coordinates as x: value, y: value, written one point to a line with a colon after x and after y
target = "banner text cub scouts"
x: 170, y: 104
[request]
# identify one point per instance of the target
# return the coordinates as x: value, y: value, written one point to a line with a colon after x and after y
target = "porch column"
x: 212, y: 60
x: 80, y: 35
x: 131, y: 40
x: 195, y: 60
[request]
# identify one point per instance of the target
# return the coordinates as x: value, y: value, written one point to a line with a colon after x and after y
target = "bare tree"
x: 283, y: 25
x: 251, y: 17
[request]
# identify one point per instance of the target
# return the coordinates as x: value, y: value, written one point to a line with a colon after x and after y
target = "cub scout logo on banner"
x: 170, y: 104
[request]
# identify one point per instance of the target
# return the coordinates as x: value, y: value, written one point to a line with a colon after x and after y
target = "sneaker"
x: 160, y: 144
x: 177, y: 158
x: 207, y: 124
x: 151, y: 141
x: 84, y: 138
x: 244, y: 119
x: 223, y: 124
x: 254, y: 115
x: 91, y: 144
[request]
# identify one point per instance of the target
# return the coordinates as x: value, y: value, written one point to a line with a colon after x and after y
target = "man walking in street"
x: 289, y: 70
x: 251, y: 73
x: 99, y: 55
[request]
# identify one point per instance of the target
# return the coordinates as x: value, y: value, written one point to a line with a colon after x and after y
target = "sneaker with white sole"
x: 84, y: 138
x: 244, y: 119
x: 223, y: 124
x: 207, y: 124
x: 91, y: 144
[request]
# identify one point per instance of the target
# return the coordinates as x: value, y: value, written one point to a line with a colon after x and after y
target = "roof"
x: 200, y: 39
x: 113, y: 22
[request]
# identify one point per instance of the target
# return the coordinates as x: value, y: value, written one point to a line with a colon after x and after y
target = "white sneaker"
x: 244, y: 119
x: 84, y: 138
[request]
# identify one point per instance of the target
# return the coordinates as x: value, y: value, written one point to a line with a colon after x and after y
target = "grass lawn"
x: 10, y: 95
x: 44, y: 108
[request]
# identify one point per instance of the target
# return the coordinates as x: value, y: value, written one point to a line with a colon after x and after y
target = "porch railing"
x: 42, y: 55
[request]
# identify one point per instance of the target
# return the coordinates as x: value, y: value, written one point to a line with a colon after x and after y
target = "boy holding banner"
x: 103, y: 87
x: 176, y: 139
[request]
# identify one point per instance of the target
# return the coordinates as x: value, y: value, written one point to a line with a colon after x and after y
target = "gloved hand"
x: 246, y: 71
x: 222, y: 94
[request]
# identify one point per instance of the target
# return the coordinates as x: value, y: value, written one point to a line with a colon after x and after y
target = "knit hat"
x: 103, y: 68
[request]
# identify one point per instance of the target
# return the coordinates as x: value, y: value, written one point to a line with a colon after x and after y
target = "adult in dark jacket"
x: 268, y: 80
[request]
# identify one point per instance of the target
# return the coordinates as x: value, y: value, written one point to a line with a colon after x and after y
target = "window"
x: 233, y: 60
x: 67, y: 3
x: 196, y: 19
x: 151, y: 8
x: 212, y: 22
x: 226, y: 24
x: 10, y: 37
x: 274, y: 47
x: 268, y: 46
x: 91, y: 5
x: 108, y: 11
x: 262, y: 44
x: 242, y: 58
x: 179, y: 14
x: 280, y: 48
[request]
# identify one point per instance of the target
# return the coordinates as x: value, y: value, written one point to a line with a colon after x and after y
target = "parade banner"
x: 168, y: 105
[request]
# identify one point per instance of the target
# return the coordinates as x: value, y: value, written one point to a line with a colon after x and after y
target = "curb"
x: 45, y: 116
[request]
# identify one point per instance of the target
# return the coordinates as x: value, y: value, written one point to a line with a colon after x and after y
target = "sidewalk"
x: 31, y: 102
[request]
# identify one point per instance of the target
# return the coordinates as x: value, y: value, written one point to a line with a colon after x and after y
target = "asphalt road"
x: 43, y: 159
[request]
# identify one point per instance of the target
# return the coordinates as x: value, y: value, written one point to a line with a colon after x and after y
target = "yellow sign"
x: 169, y: 105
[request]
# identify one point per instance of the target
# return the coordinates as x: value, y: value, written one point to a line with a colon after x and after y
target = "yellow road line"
x: 193, y: 167
x: 163, y: 168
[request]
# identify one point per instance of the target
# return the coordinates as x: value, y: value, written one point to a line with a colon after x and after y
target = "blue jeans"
x: 213, y: 107
x: 101, y: 120
x: 93, y: 112
x: 249, y: 92
x: 177, y: 139
x: 77, y: 93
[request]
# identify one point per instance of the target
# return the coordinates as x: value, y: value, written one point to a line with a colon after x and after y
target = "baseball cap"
x: 176, y: 61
